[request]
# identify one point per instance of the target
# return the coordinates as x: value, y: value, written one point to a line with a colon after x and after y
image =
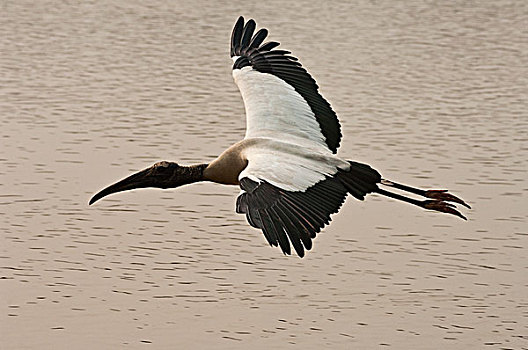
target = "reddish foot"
x: 440, y: 205
x: 443, y: 195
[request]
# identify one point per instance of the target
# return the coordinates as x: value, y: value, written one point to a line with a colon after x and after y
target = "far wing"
x: 280, y: 96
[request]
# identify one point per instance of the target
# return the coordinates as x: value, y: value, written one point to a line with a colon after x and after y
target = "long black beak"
x: 140, y: 179
x: 161, y: 175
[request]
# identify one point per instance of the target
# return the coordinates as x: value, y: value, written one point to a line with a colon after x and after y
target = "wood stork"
x: 286, y: 166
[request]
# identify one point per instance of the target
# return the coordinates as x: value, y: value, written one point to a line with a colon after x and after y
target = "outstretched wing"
x: 287, y: 216
x: 290, y: 216
x: 280, y: 96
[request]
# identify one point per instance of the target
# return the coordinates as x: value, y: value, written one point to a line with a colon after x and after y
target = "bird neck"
x: 187, y: 175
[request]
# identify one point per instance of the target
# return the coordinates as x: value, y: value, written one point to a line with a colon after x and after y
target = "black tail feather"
x: 360, y: 180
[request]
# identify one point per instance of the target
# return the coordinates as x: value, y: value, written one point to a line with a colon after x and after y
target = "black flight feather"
x: 295, y: 217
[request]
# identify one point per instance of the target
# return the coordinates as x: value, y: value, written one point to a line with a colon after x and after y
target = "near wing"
x: 283, y: 215
x: 297, y: 216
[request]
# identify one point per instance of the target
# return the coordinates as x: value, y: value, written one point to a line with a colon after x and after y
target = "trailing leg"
x: 361, y: 179
x: 441, y: 195
x: 439, y: 199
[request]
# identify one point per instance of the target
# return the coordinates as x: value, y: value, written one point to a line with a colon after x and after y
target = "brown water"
x: 430, y: 94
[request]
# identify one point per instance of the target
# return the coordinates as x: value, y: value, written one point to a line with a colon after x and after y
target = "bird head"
x: 161, y: 175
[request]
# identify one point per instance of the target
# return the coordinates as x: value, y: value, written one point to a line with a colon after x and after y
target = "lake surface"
x: 431, y: 94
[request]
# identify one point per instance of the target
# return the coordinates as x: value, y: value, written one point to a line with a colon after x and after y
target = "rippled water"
x: 431, y: 94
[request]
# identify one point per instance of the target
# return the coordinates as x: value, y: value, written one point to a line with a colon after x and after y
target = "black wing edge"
x: 263, y: 58
x: 296, y: 217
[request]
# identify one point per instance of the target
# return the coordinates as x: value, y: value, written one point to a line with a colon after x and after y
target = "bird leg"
x: 439, y: 199
x: 441, y: 195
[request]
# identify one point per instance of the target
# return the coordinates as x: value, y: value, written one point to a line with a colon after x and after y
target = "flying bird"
x: 286, y: 165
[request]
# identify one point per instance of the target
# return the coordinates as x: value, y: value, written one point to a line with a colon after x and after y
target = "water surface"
x: 433, y: 95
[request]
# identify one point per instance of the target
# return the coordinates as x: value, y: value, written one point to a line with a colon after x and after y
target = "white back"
x: 289, y: 166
